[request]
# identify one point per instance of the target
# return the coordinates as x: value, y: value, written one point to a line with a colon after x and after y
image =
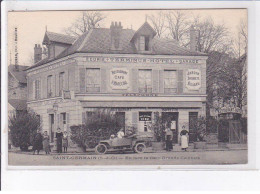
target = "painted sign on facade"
x: 119, y: 78
x: 193, y: 79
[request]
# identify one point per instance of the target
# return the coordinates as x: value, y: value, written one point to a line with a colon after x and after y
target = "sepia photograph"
x: 127, y: 87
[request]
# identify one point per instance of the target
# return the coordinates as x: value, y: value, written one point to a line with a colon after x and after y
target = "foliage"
x: 223, y: 130
x: 200, y: 127
x: 212, y: 125
x: 23, y: 126
x: 100, y: 125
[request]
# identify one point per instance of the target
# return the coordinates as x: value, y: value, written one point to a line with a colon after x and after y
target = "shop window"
x: 61, y: 82
x: 170, y: 82
x: 50, y: 92
x: 144, y: 43
x: 145, y: 81
x: 37, y: 89
x: 93, y: 80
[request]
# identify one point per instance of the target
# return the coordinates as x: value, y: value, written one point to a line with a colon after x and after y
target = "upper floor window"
x: 170, y: 81
x: 145, y: 81
x: 93, y: 80
x: 37, y: 89
x: 61, y: 82
x: 144, y: 43
x: 50, y: 92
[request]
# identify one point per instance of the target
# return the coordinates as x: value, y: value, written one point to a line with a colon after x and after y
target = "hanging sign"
x: 145, y: 116
x: 193, y: 79
x: 119, y: 78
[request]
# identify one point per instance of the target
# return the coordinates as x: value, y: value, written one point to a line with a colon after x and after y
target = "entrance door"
x: 51, y: 125
x: 121, y: 118
x: 193, y: 118
x: 171, y: 120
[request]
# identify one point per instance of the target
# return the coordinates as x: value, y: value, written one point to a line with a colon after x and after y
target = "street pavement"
x: 162, y: 158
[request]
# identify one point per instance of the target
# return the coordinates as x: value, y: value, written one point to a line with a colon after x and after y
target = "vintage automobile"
x: 127, y: 143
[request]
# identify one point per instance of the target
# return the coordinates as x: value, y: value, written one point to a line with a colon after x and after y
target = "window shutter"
x: 40, y: 87
x: 68, y: 121
x: 180, y: 81
x: 58, y: 121
x: 82, y: 81
x: 33, y: 90
x: 161, y: 84
x: 135, y: 80
x: 135, y: 119
x: 155, y: 79
x: 83, y: 117
x: 103, y: 80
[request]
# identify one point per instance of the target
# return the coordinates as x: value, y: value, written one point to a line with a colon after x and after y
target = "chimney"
x: 194, y: 37
x: 115, y: 29
x: 37, y: 53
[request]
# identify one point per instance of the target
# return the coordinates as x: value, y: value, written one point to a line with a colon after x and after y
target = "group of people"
x: 42, y: 142
x: 183, y: 139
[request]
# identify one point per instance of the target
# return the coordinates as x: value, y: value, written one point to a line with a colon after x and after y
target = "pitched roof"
x: 18, y: 104
x: 60, y: 38
x: 19, y: 74
x: 98, y: 40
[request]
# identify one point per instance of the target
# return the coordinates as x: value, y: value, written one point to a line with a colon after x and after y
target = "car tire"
x: 101, y: 149
x: 139, y: 148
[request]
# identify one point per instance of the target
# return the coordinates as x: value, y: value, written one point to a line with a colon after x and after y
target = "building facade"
x: 132, y: 73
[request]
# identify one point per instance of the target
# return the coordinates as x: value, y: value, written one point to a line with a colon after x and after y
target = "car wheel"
x: 101, y: 149
x: 140, y: 148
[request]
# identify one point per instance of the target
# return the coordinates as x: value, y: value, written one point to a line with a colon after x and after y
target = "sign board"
x: 193, y: 79
x: 145, y: 116
x: 119, y: 78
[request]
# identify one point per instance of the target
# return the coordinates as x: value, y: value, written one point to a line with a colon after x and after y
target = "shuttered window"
x: 37, y: 89
x: 170, y: 81
x: 92, y: 80
x: 61, y: 82
x: 145, y: 81
x: 50, y: 92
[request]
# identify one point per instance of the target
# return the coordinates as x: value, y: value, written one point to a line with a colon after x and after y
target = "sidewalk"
x: 176, y: 148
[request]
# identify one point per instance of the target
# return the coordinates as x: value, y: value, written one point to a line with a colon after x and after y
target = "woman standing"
x: 37, y: 142
x: 168, y: 138
x: 65, y: 142
x: 46, y: 143
x: 59, y: 136
x: 184, y: 139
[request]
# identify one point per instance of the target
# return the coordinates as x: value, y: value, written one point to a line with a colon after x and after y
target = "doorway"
x: 51, y: 126
x: 120, y: 116
x: 171, y: 120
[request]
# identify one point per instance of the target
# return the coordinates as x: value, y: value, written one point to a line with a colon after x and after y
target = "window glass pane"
x: 145, y: 81
x: 170, y: 81
x: 93, y: 80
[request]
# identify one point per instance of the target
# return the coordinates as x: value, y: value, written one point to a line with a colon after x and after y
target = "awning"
x: 122, y: 104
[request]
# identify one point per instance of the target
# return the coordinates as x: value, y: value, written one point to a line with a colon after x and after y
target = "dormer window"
x: 144, y: 43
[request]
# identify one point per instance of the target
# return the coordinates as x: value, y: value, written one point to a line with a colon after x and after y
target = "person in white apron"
x: 184, y: 139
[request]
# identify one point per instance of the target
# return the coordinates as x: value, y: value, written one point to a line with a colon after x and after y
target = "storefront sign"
x: 119, y: 78
x: 141, y: 60
x: 145, y: 116
x: 225, y: 110
x: 140, y: 94
x: 193, y: 79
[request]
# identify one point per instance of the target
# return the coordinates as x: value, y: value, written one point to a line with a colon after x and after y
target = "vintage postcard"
x: 127, y: 87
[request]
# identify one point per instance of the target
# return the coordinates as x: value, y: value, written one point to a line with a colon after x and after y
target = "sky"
x: 32, y: 24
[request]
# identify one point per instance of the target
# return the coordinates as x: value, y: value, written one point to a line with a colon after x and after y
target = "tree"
x: 178, y: 26
x: 212, y: 37
x: 101, y: 124
x: 158, y: 23
x: 23, y: 126
x: 87, y: 21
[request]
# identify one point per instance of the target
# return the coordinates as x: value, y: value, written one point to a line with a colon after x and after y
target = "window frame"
x: 147, y: 89
x: 61, y: 74
x: 49, y: 95
x: 98, y: 89
x: 167, y: 90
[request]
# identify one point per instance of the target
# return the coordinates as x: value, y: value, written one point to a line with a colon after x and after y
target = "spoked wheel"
x: 140, y: 148
x: 101, y: 149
